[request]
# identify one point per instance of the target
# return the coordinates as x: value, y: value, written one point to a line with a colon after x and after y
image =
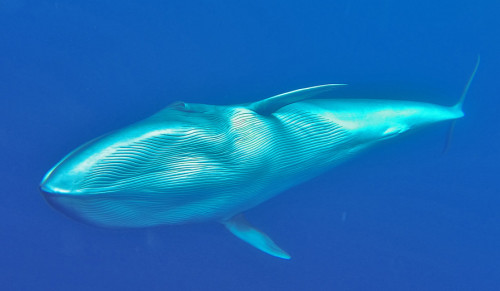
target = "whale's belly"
x: 209, y: 173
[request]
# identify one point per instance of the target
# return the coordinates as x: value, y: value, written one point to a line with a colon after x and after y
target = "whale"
x: 192, y: 163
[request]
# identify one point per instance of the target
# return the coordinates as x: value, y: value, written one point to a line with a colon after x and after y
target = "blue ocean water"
x: 402, y: 216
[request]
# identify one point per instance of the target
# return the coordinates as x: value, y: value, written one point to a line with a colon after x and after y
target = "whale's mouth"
x: 54, y: 198
x: 67, y: 204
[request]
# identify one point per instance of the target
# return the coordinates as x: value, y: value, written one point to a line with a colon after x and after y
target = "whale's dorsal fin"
x: 241, y: 228
x: 271, y: 104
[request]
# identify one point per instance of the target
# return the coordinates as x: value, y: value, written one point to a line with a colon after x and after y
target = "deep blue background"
x: 414, y: 219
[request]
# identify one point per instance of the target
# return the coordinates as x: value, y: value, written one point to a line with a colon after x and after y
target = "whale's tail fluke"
x: 459, y: 104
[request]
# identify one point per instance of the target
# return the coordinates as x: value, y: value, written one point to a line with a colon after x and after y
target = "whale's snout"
x: 57, y: 181
x: 54, y: 187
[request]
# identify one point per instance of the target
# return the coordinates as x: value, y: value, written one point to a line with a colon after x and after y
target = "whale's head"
x: 141, y: 166
x: 117, y: 160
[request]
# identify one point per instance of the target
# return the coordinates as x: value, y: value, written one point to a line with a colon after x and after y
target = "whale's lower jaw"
x: 111, y: 212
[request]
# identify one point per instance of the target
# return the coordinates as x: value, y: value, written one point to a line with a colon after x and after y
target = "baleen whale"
x: 193, y: 163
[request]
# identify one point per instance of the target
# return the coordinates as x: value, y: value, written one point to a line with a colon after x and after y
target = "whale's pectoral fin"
x: 271, y: 104
x: 241, y: 228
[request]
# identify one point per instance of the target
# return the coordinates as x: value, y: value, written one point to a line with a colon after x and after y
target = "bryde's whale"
x: 191, y: 163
